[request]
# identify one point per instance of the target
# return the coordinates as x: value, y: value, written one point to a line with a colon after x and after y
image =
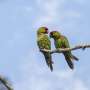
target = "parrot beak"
x: 46, y: 30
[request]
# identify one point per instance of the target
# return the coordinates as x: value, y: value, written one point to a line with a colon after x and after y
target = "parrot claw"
x: 84, y: 48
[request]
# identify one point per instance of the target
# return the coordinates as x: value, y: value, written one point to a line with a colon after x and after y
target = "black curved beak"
x: 47, y: 31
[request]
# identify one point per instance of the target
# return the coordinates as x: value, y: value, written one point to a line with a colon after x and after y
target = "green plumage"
x: 43, y: 42
x: 61, y: 41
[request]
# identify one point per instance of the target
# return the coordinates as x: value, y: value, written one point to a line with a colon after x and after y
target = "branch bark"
x: 5, y: 83
x: 61, y: 50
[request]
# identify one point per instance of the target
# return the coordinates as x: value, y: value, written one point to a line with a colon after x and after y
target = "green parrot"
x: 61, y: 41
x: 43, y: 42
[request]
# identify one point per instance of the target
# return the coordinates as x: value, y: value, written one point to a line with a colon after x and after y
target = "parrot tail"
x: 74, y: 57
x: 68, y: 60
x: 50, y: 65
x: 49, y: 61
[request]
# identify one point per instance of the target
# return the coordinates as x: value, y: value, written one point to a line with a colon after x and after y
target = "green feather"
x: 61, y: 41
x: 43, y: 42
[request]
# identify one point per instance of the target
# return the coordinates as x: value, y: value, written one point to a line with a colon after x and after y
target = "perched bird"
x: 61, y: 41
x: 43, y: 42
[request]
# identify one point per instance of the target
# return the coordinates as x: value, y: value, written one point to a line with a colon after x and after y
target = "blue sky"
x: 20, y: 58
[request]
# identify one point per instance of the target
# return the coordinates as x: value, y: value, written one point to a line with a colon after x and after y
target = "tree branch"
x: 61, y: 50
x: 5, y: 83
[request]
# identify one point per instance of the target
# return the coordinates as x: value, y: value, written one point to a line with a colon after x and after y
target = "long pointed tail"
x: 49, y: 61
x: 68, y: 60
x: 50, y: 65
x: 74, y: 57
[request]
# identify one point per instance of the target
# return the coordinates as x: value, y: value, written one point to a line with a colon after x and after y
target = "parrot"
x: 43, y: 42
x: 61, y: 41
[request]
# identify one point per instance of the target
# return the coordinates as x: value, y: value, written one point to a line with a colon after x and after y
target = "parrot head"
x: 42, y: 30
x: 54, y: 34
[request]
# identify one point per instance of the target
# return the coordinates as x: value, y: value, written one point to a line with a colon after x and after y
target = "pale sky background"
x: 20, y: 59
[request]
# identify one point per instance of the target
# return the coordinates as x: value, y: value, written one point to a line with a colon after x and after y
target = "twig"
x: 5, y: 83
x: 61, y: 50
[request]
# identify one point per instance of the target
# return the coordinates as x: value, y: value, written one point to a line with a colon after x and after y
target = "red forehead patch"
x: 46, y: 29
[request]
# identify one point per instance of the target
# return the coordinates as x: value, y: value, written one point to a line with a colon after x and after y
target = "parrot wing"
x: 66, y: 45
x: 68, y: 55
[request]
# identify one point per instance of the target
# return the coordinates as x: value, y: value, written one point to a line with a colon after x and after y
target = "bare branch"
x: 61, y: 50
x: 5, y: 83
